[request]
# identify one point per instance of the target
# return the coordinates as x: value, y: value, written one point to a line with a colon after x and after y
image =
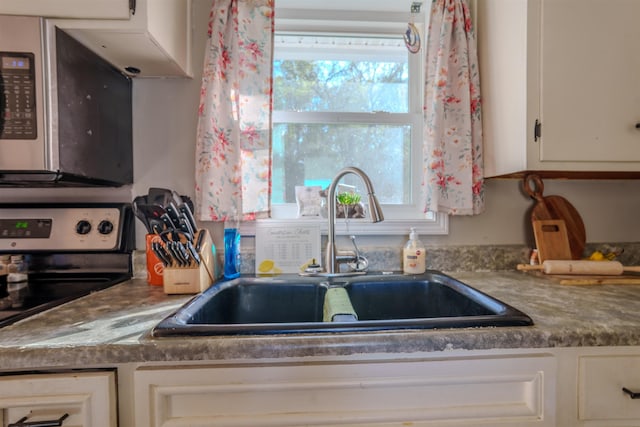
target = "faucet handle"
x: 353, y: 240
x: 360, y: 263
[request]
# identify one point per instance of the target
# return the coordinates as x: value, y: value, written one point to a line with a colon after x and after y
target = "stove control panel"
x: 51, y: 228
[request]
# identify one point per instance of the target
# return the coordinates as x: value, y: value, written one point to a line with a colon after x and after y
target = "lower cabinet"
x: 511, y: 391
x: 564, y: 387
x: 602, y: 381
x: 85, y: 399
x: 590, y: 386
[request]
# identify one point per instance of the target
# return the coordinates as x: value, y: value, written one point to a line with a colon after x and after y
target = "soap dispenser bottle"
x: 414, y: 255
x: 232, y: 248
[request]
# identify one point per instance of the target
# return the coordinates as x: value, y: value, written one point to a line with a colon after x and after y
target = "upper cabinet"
x: 143, y: 38
x: 560, y: 81
x: 91, y: 9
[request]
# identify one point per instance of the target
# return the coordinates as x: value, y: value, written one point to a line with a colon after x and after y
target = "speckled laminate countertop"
x: 112, y: 326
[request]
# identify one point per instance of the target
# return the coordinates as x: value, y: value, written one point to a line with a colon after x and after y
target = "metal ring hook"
x: 412, y: 38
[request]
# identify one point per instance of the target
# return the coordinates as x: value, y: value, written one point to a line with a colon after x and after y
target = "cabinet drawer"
x: 463, y: 392
x: 76, y: 398
x: 600, y: 383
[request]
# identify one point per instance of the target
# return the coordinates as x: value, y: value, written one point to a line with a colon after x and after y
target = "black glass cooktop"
x: 48, y: 291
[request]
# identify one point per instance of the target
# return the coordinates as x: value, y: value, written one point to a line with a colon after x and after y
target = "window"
x: 348, y: 93
x: 341, y: 101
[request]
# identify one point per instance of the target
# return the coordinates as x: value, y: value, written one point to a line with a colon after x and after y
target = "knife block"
x: 193, y: 279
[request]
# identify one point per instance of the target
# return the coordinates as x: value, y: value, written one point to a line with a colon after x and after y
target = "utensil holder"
x: 155, y: 269
x: 196, y: 278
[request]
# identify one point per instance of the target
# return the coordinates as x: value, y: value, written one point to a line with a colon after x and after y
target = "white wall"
x: 164, y: 140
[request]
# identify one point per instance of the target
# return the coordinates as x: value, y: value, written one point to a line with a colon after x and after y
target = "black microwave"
x: 65, y: 113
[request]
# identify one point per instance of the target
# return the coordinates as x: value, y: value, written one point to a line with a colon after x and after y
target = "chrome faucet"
x: 333, y: 260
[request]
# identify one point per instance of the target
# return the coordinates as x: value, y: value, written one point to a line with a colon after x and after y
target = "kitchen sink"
x: 294, y: 304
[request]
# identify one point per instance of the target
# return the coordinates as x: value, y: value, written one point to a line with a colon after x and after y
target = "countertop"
x: 112, y: 326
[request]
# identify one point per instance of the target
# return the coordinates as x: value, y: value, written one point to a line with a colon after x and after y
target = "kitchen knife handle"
x: 174, y: 235
x: 174, y: 254
x: 185, y: 226
x: 162, y: 255
x: 194, y: 254
x: 156, y: 228
x: 199, y: 241
x: 173, y: 213
x: 186, y: 257
x: 168, y: 222
x: 186, y: 212
x: 167, y: 256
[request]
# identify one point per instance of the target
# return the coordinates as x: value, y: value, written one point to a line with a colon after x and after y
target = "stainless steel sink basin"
x: 288, y: 304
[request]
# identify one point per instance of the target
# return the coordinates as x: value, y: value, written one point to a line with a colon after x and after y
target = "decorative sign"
x: 309, y: 201
x: 286, y: 248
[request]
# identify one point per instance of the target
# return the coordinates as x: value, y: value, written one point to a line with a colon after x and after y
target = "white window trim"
x: 401, y: 217
x: 438, y: 225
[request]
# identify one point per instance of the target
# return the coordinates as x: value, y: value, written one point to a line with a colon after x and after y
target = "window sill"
x: 362, y: 227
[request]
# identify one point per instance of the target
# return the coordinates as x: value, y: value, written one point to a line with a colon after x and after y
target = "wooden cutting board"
x: 552, y: 240
x: 557, y: 207
x: 566, y: 279
x: 599, y: 280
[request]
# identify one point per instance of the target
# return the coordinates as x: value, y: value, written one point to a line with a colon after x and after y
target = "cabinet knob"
x: 632, y: 394
x: 637, y: 125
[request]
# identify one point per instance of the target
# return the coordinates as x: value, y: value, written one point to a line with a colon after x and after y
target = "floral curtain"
x: 453, y: 172
x: 233, y: 147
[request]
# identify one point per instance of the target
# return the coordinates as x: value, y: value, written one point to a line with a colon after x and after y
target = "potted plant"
x: 349, y: 205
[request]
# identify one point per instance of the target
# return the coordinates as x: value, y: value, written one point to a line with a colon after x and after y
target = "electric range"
x: 71, y: 250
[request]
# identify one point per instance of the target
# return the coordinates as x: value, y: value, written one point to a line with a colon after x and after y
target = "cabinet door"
x: 600, y: 384
x: 156, y: 40
x: 590, y: 80
x: 508, y: 49
x: 76, y: 399
x: 104, y: 9
x: 516, y: 391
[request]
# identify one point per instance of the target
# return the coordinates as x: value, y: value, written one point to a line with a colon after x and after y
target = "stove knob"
x: 105, y: 227
x: 83, y: 227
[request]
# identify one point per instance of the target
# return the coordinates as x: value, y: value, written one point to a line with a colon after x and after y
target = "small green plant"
x: 348, y: 198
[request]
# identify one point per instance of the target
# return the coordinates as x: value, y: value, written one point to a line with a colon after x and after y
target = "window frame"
x: 398, y: 218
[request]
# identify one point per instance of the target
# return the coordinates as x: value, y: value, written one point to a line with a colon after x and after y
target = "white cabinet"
x: 600, y: 389
x: 589, y: 386
x: 93, y: 9
x: 155, y: 40
x: 570, y: 65
x: 75, y: 398
x: 514, y: 391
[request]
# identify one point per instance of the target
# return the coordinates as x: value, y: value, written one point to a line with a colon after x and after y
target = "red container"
x: 155, y: 268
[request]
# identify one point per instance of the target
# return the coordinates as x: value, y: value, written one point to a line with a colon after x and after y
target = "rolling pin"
x: 602, y: 268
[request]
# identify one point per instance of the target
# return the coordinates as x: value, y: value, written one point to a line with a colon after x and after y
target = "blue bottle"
x: 231, y: 251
